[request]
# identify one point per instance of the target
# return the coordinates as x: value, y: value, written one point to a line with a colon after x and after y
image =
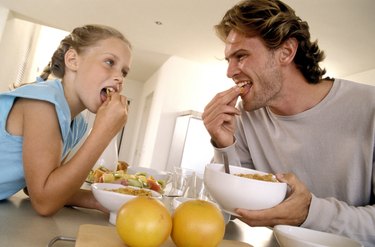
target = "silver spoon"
x: 226, y: 163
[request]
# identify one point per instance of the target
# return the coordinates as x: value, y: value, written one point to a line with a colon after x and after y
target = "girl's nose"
x: 118, y: 77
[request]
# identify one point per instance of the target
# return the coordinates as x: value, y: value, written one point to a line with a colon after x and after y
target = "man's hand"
x: 292, y: 211
x: 219, y: 117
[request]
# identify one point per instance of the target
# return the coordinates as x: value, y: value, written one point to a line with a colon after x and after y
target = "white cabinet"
x: 190, y: 147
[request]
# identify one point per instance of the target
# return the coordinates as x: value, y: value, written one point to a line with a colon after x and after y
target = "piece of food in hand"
x: 266, y: 177
x: 109, y: 91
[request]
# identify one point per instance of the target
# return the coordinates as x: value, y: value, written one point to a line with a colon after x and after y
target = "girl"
x: 41, y: 122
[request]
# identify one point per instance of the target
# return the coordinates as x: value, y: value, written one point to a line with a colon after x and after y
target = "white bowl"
x: 293, y: 236
x: 178, y: 200
x: 114, y: 200
x: 231, y: 191
x: 158, y: 175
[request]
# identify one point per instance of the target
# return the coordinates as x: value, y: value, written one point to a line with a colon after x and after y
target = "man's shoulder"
x: 355, y: 88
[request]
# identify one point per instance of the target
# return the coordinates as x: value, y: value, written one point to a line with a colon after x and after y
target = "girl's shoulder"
x: 38, y: 89
x: 51, y: 91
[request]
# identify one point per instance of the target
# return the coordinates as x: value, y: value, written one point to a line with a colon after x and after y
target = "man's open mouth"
x: 244, y: 86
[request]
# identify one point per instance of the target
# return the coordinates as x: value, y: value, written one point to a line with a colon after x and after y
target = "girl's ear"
x: 71, y: 59
x: 288, y: 50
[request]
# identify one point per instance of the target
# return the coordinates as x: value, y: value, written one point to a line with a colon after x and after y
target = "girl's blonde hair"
x: 78, y: 39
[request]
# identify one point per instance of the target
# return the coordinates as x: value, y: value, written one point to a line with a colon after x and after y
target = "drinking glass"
x: 183, y: 182
x: 201, y: 191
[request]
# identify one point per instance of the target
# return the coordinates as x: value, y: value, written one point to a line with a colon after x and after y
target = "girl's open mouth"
x: 106, y: 92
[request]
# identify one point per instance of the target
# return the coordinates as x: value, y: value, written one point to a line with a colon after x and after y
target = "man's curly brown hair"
x: 275, y: 22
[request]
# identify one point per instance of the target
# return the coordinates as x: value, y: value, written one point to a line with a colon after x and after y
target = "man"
x: 317, y: 134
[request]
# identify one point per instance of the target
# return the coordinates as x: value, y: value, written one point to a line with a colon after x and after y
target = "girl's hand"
x: 85, y: 198
x: 219, y: 117
x: 111, y: 115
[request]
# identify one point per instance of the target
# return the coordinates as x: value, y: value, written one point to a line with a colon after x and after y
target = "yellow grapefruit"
x: 143, y: 222
x: 197, y: 223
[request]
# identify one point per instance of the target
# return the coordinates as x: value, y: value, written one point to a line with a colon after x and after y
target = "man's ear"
x: 288, y: 50
x: 71, y: 59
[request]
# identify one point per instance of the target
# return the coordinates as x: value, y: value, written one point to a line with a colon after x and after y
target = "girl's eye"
x: 110, y: 62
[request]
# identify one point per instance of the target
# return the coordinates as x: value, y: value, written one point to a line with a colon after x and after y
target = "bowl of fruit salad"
x: 141, y: 177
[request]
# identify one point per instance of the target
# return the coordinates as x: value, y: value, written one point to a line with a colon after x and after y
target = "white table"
x: 21, y: 226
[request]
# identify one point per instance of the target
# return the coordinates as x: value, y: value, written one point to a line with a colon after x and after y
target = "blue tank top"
x: 11, y: 166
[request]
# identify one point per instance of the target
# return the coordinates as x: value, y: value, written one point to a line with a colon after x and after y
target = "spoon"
x: 226, y: 163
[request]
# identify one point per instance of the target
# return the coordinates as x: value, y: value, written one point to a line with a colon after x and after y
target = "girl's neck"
x: 72, y: 98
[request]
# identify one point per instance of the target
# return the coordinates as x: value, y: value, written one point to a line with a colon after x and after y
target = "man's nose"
x: 233, y: 69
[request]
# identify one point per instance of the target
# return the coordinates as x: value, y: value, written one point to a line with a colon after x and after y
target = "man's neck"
x: 299, y: 96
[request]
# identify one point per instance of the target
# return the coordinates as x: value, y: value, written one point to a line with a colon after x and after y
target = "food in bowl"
x: 232, y: 192
x: 157, y: 174
x: 113, y: 200
x: 264, y: 177
x: 103, y: 174
x: 126, y: 175
x: 131, y: 191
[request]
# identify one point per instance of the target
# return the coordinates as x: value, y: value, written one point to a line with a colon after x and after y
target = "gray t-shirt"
x: 329, y: 147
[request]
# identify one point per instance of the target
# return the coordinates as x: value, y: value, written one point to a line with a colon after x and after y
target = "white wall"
x: 46, y: 43
x: 4, y: 13
x: 25, y: 44
x: 366, y: 77
x: 133, y: 91
x: 17, y: 39
x: 181, y: 85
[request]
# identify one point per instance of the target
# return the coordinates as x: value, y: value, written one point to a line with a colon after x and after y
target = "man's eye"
x: 241, y: 57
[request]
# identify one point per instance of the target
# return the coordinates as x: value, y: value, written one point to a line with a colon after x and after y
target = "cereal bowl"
x: 114, y: 200
x: 293, y: 236
x: 231, y: 191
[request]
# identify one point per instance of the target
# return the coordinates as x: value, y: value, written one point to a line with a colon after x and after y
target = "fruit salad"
x: 140, y: 179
